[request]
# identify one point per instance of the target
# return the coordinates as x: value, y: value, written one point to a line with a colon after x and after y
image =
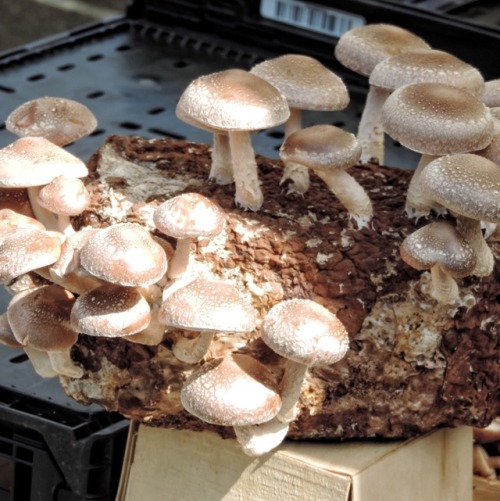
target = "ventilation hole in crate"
x: 95, y: 94
x: 130, y: 125
x: 7, y: 90
x: 340, y: 124
x: 24, y: 454
x: 98, y: 132
x: 5, y: 448
x: 123, y: 48
x: 2, y: 126
x: 97, y: 452
x: 166, y: 133
x: 276, y: 134
x: 66, y: 67
x: 180, y: 64
x: 19, y: 359
x: 95, y: 57
x: 156, y: 111
x: 23, y: 489
x: 35, y: 78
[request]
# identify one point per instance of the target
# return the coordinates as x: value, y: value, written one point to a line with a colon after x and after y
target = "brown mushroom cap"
x: 236, y: 390
x: 40, y: 318
x: 305, y: 332
x: 208, y: 305
x: 11, y: 221
x: 57, y: 119
x: 189, y: 215
x: 233, y: 100
x: 35, y: 161
x: 26, y: 250
x: 427, y: 65
x: 6, y: 335
x: 111, y: 311
x: 124, y: 254
x: 437, y: 119
x: 438, y: 243
x: 305, y: 82
x: 65, y: 195
x: 361, y: 49
x: 467, y: 184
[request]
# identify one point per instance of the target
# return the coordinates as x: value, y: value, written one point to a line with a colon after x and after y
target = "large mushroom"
x: 329, y: 151
x: 235, y: 102
x: 361, y: 49
x: 307, y: 335
x: 307, y: 85
x: 435, y: 119
x: 468, y: 186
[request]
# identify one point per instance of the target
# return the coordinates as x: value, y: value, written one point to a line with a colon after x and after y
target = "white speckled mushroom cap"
x: 235, y: 390
x: 438, y: 243
x: 305, y: 82
x: 232, y: 100
x: 208, y: 305
x: 305, y: 332
x: 11, y: 220
x: 437, y: 119
x: 111, y: 311
x: 491, y: 93
x: 35, y: 161
x: 57, y: 119
x: 321, y: 147
x: 466, y: 184
x: 427, y: 65
x: 65, y: 195
x: 361, y: 49
x: 26, y: 250
x: 40, y: 318
x: 124, y: 254
x: 189, y: 215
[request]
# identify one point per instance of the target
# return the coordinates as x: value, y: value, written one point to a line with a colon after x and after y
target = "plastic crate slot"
x: 24, y: 454
x: 95, y: 94
x: 6, y: 447
x: 180, y: 64
x: 19, y: 359
x: 7, y: 90
x: 23, y: 477
x: 66, y: 67
x: 95, y: 57
x: 97, y: 132
x: 123, y: 48
x: 130, y: 125
x: 36, y: 78
x: 156, y: 111
x: 6, y: 474
x: 166, y: 133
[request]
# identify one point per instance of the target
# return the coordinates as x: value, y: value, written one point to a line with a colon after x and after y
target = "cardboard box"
x: 163, y: 464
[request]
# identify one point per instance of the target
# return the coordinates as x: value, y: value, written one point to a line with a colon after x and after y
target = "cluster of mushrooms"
x: 123, y: 281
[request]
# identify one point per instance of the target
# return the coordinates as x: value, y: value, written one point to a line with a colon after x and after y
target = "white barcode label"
x: 311, y: 17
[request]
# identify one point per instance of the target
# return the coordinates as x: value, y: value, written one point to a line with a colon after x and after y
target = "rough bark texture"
x: 413, y: 365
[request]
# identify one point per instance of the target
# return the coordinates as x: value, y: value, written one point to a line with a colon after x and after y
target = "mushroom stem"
x: 248, y: 192
x: 350, y: 193
x: 180, y: 260
x: 370, y: 133
x: 63, y: 224
x: 40, y: 361
x: 192, y: 351
x: 63, y: 364
x: 46, y: 217
x: 444, y: 288
x: 222, y: 168
x: 290, y: 388
x: 256, y: 440
x: 470, y: 230
x: 417, y: 205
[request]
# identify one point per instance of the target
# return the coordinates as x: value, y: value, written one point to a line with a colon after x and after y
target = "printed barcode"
x: 312, y: 17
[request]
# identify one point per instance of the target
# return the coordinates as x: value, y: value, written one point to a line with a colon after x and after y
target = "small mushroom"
x: 440, y: 248
x: 329, y: 152
x: 361, y: 49
x: 434, y: 119
x: 236, y: 102
x: 468, y: 185
x: 307, y: 335
x: 481, y: 463
x: 307, y: 85
x: 57, y: 119
x: 207, y: 307
x: 186, y: 217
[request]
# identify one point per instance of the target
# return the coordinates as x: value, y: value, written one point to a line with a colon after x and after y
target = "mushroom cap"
x: 235, y: 390
x: 11, y: 221
x: 466, y: 184
x: 65, y: 195
x: 40, y: 318
x: 491, y: 93
x: 16, y: 199
x: 305, y: 82
x: 57, y: 119
x: 321, y: 147
x: 208, y: 305
x: 437, y: 119
x: 427, y: 65
x: 361, y: 49
x: 305, y: 332
x: 232, y: 100
x: 438, y: 243
x: 35, y: 161
x: 189, y: 215
x: 6, y: 335
x: 124, y: 254
x: 26, y: 250
x: 111, y: 311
